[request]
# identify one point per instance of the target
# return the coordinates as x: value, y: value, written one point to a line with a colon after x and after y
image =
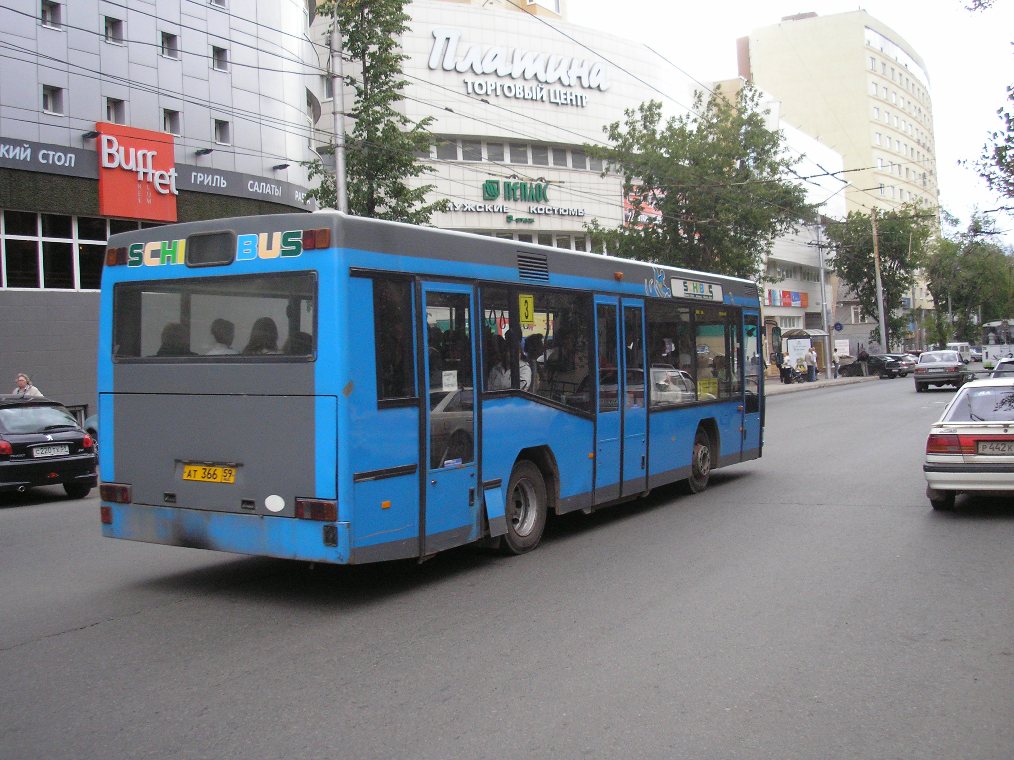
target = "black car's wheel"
x: 76, y: 490
x: 919, y: 387
x: 525, y: 509
x: 941, y: 500
x: 700, y: 462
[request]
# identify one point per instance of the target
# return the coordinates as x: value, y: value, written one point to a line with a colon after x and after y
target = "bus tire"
x: 526, y: 509
x: 700, y: 462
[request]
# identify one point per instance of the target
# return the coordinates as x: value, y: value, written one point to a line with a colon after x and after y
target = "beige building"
x: 855, y: 85
x: 858, y: 87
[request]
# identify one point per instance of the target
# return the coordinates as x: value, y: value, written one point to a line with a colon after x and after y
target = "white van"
x: 964, y: 351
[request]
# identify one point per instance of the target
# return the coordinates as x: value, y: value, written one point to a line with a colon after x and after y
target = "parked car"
x: 42, y: 444
x: 885, y: 365
x: 907, y: 362
x: 971, y: 446
x: 939, y: 368
x: 1003, y: 368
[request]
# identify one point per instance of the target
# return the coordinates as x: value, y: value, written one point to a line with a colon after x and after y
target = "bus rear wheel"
x: 700, y: 462
x: 525, y: 509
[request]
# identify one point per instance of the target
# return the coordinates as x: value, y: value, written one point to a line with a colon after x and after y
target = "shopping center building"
x: 118, y: 115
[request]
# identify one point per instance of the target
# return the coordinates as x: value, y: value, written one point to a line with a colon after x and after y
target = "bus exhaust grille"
x: 533, y: 266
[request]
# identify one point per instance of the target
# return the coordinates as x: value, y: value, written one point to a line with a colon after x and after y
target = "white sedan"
x: 971, y: 446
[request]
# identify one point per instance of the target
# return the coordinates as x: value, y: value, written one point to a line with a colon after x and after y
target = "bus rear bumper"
x: 261, y: 535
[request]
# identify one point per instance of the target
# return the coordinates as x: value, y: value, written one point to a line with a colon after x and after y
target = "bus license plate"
x: 995, y: 448
x: 51, y: 451
x: 209, y: 473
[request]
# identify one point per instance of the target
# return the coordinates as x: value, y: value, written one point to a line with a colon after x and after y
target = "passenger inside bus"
x: 222, y: 332
x: 175, y: 341
x: 263, y: 337
x: 299, y: 344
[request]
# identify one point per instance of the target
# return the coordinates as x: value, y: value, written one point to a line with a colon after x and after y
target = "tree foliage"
x: 971, y: 279
x: 381, y: 148
x: 708, y: 190
x: 902, y: 235
x: 996, y: 164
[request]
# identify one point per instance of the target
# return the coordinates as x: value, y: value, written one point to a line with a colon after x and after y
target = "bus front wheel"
x: 525, y: 509
x: 700, y: 462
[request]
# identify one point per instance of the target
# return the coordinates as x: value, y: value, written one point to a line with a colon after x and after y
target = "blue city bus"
x: 337, y: 389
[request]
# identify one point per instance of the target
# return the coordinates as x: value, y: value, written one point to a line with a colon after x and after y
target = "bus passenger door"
x: 634, y: 422
x: 753, y: 378
x: 452, y: 496
x: 608, y: 425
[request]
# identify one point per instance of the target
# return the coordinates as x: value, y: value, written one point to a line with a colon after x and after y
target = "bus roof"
x: 409, y: 240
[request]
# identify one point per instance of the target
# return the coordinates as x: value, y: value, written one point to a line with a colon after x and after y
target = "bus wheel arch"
x: 532, y: 491
x: 703, y: 455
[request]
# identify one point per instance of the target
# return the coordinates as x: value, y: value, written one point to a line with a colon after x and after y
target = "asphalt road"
x: 808, y: 605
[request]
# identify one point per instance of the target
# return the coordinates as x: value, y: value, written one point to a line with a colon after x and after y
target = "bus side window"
x: 392, y: 320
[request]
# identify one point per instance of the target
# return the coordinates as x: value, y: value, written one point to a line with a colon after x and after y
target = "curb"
x: 777, y: 389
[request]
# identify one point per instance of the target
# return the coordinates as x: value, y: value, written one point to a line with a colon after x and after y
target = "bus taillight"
x: 316, y: 239
x: 106, y: 515
x: 118, y: 493
x: 322, y: 510
x: 116, y: 257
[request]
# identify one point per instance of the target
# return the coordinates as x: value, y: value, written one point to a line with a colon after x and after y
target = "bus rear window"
x: 273, y: 317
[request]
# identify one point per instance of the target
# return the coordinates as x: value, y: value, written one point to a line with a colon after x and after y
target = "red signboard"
x: 137, y: 173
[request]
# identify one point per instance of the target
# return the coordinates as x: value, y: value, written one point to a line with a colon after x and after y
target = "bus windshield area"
x: 273, y: 317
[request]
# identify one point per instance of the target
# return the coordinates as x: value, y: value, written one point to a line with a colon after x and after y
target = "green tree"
x: 381, y: 149
x: 996, y: 164
x: 971, y: 279
x: 708, y: 190
x: 902, y: 235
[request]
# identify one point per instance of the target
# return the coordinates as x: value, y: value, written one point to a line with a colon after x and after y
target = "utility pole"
x: 338, y: 86
x: 880, y: 292
x: 823, y: 305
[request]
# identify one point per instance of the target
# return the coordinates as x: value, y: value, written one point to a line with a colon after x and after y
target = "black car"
x: 886, y: 365
x: 41, y: 444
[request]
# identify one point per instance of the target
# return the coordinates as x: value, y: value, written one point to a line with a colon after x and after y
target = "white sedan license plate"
x: 61, y: 450
x: 995, y: 448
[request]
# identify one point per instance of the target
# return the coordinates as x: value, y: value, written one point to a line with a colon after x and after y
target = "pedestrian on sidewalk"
x: 811, y: 365
x: 834, y: 364
x: 23, y: 387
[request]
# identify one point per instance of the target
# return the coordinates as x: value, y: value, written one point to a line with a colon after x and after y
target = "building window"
x: 219, y: 58
x: 170, y: 45
x: 447, y: 150
x: 51, y: 15
x: 327, y: 85
x: 116, y: 111
x: 559, y: 157
x: 223, y: 134
x: 220, y: 3
x: 540, y: 155
x: 494, y: 152
x: 519, y: 153
x: 114, y: 30
x: 171, y: 122
x: 578, y: 159
x: 857, y: 315
x: 52, y: 99
x: 471, y: 150
x: 54, y: 251
x: 595, y: 164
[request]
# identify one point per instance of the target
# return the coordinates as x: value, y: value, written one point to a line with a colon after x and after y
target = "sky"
x: 968, y: 55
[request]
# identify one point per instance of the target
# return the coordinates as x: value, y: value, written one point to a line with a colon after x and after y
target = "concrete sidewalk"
x: 774, y: 387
